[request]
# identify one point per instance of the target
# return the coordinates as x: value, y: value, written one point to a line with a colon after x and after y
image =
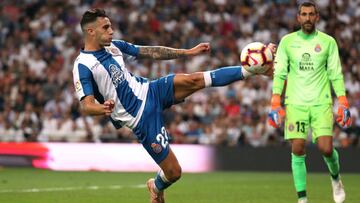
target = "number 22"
x: 163, y: 138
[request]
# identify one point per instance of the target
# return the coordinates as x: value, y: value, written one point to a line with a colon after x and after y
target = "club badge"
x: 291, y: 127
x: 156, y: 148
x: 114, y: 51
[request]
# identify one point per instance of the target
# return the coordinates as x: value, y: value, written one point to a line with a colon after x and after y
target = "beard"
x: 103, y: 41
x: 308, y: 27
x: 105, y: 44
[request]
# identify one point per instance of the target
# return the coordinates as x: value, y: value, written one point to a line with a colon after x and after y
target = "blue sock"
x: 161, y: 182
x: 223, y: 76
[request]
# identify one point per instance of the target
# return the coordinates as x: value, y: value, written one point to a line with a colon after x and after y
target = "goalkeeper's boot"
x: 302, y: 200
x: 155, y: 196
x: 338, y: 190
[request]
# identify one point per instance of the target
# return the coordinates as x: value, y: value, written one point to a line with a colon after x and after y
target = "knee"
x: 174, y: 174
x: 298, y: 150
x: 196, y: 80
x: 326, y: 150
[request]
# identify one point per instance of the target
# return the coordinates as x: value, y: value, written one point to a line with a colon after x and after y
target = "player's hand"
x: 277, y: 113
x: 109, y: 107
x: 273, y: 48
x: 343, y: 115
x: 270, y: 67
x: 199, y: 49
x: 270, y: 70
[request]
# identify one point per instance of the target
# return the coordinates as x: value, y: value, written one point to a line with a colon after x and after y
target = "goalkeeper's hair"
x: 307, y: 3
x: 90, y: 16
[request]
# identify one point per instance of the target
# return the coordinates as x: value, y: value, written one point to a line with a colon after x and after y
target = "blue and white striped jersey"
x: 103, y: 74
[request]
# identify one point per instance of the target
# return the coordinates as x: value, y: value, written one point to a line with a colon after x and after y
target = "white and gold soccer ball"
x: 255, y: 56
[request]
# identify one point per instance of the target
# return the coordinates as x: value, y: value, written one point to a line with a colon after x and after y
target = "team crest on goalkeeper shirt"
x: 116, y: 74
x: 291, y: 127
x: 317, y: 48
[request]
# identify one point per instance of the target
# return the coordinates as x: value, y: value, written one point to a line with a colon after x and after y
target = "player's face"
x: 307, y: 18
x: 103, y: 31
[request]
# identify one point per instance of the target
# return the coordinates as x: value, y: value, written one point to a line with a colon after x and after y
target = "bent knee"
x: 174, y: 174
x: 196, y: 80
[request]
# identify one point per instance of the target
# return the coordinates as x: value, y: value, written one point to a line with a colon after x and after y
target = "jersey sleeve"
x: 126, y: 47
x: 83, y: 81
x: 281, y: 68
x: 334, y: 69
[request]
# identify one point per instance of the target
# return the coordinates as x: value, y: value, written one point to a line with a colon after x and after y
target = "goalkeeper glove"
x: 277, y: 113
x: 343, y: 114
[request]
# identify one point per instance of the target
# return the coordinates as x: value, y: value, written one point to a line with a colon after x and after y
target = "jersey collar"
x: 307, y: 36
x: 92, y: 52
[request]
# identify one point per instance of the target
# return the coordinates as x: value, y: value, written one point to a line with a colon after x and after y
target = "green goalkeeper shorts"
x: 300, y: 118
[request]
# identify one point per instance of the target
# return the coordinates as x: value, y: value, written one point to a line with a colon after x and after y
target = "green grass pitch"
x: 23, y: 185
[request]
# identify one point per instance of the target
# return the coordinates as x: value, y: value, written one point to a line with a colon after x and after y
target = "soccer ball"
x: 255, y: 56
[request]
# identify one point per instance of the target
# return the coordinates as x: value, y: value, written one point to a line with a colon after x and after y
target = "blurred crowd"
x: 40, y: 39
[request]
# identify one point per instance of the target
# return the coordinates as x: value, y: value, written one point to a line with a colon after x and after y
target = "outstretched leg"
x: 186, y: 84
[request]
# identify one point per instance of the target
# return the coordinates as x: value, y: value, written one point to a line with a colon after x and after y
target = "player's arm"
x: 337, y: 80
x: 84, y: 90
x: 334, y: 69
x: 166, y: 53
x: 90, y: 107
x: 281, y: 63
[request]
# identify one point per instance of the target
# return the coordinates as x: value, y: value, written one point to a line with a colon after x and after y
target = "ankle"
x: 335, y: 177
x: 301, y: 194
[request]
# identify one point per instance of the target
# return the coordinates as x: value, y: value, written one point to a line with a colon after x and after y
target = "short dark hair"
x: 90, y: 16
x: 306, y: 3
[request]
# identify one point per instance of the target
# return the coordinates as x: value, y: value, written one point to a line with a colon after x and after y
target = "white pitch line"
x: 57, y: 189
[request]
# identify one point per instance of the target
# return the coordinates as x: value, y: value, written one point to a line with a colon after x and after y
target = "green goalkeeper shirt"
x: 309, y: 63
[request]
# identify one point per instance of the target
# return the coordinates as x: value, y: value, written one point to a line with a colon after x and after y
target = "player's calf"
x: 162, y: 181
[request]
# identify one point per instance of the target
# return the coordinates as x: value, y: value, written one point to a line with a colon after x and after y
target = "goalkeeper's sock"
x: 224, y: 76
x: 301, y: 194
x: 299, y: 174
x: 161, y: 182
x: 333, y: 164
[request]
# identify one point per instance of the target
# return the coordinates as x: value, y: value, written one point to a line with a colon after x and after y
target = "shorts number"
x: 300, y: 126
x: 163, y: 138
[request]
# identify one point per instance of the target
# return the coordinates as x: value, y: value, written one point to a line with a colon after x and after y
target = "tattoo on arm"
x: 160, y: 52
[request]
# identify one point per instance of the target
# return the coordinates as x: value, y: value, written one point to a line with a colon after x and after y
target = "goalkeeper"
x: 309, y: 60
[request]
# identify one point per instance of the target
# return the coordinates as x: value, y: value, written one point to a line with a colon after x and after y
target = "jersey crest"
x: 317, y: 48
x: 114, y: 51
x: 117, y: 75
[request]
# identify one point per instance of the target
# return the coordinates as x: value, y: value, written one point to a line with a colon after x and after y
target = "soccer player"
x: 105, y: 87
x: 309, y: 60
